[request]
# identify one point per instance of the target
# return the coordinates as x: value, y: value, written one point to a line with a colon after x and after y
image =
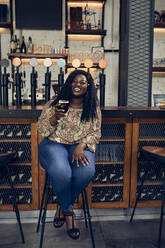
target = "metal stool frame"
x: 43, y: 208
x: 13, y: 194
x: 162, y: 199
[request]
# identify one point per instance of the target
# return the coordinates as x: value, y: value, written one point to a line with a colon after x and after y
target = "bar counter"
x: 119, y: 164
x: 128, y: 112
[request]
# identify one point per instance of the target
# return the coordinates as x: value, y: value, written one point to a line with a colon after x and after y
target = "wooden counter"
x: 128, y: 112
x: 119, y: 165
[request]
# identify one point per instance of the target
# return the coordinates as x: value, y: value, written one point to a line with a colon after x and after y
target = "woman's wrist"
x: 83, y: 145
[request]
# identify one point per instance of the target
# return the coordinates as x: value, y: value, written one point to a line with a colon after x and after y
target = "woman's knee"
x: 90, y: 172
x: 84, y: 175
x: 58, y: 171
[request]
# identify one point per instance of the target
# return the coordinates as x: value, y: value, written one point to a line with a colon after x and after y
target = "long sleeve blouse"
x: 70, y: 129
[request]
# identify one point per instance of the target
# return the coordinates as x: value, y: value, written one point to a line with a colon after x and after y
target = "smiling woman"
x: 67, y: 152
x: 79, y: 87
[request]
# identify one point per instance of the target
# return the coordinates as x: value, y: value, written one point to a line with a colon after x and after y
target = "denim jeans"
x: 66, y: 178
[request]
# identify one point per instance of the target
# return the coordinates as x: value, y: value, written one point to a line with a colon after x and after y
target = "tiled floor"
x: 108, y: 234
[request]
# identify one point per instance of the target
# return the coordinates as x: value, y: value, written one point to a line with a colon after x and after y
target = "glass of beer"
x: 63, y: 104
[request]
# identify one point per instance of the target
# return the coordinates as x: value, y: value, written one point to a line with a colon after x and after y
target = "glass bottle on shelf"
x: 12, y: 45
x: 15, y: 41
x: 99, y: 25
x: 30, y: 45
x: 23, y: 46
x: 18, y: 46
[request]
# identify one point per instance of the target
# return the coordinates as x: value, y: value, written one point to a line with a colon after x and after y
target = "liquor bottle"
x: 12, y: 45
x: 18, y: 46
x: 99, y: 25
x: 30, y: 45
x: 15, y: 41
x: 23, y: 46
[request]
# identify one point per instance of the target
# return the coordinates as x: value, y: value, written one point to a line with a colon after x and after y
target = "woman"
x: 67, y: 150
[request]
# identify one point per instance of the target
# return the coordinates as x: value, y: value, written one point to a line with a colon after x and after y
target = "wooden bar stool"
x: 43, y: 209
x: 5, y: 158
x: 156, y: 154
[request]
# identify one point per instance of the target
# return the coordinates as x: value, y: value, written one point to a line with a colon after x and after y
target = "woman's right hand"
x: 59, y: 113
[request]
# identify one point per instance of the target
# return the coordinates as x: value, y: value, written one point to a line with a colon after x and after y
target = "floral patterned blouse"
x: 70, y: 129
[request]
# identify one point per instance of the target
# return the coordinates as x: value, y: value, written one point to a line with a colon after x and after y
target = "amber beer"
x: 63, y: 104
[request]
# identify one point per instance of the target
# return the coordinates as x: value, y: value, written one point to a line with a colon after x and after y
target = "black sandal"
x: 58, y: 221
x: 73, y: 230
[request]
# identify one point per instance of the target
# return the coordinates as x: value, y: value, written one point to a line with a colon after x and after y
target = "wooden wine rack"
x: 20, y: 135
x: 119, y: 165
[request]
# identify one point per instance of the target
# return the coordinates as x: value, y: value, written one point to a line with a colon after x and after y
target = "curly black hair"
x: 90, y: 101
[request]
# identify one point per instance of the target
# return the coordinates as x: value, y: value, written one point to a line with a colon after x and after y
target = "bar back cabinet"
x: 146, y: 132
x: 110, y: 187
x: 119, y: 164
x: 20, y: 135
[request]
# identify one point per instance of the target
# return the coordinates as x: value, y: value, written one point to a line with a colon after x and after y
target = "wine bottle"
x: 18, y: 46
x: 15, y: 41
x: 30, y: 45
x: 12, y: 45
x: 23, y: 46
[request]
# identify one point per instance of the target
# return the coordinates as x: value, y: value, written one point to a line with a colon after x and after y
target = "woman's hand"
x: 59, y: 113
x: 79, y: 155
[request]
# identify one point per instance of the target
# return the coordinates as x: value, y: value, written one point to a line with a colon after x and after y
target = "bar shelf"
x: 108, y: 185
x: 107, y: 139
x: 5, y: 25
x: 17, y: 186
x: 85, y: 32
x: 36, y: 55
x: 151, y: 183
x: 107, y: 162
x: 159, y: 25
x: 152, y: 139
x: 158, y: 69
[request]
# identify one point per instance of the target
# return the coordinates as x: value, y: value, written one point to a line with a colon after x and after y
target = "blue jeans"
x: 66, y: 178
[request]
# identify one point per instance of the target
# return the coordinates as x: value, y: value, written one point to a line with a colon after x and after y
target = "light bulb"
x: 61, y: 63
x: 16, y: 62
x: 47, y: 62
x: 33, y: 62
x: 76, y: 63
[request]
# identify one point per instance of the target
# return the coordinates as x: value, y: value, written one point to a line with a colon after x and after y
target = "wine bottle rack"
x: 107, y: 194
x: 113, y: 130
x: 109, y: 173
x: 151, y: 130
x: 109, y: 184
x: 20, y: 135
x: 147, y: 133
x: 155, y: 172
x: 110, y: 151
x: 151, y: 193
x: 23, y: 196
x: 15, y: 131
x: 19, y: 174
x: 23, y: 150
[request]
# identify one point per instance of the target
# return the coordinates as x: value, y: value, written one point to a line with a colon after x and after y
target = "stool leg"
x: 15, y: 204
x: 139, y: 194
x: 161, y: 216
x: 89, y: 219
x: 44, y: 214
x: 84, y: 209
x: 42, y: 203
